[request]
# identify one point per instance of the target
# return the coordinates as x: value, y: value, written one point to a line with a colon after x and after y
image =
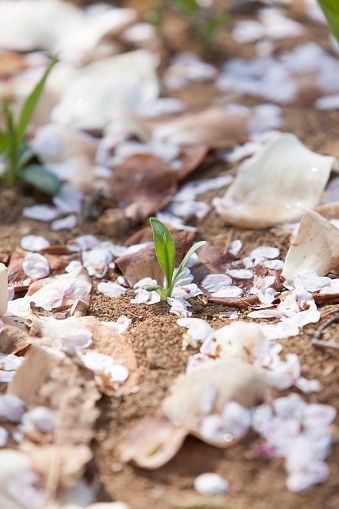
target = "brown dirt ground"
x: 157, y: 339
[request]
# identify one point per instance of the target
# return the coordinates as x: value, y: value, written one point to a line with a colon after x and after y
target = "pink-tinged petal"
x: 50, y: 300
x: 72, y: 266
x: 117, y: 373
x: 11, y: 292
x: 179, y: 307
x: 10, y: 362
x: 304, y: 480
x: 120, y: 326
x: 265, y: 313
x: 319, y: 415
x: 18, y: 307
x: 111, y: 289
x: 97, y: 362
x: 44, y: 213
x: 68, y: 200
x: 12, y: 408
x: 41, y: 418
x: 267, y: 252
x: 79, y: 338
x: 274, y: 264
x: 83, y: 243
x: 226, y: 292
x: 289, y: 407
x: 235, y: 246
x: 240, y: 273
x: 73, y: 288
x: 210, y: 484
x: 145, y: 297
x: 198, y: 329
x: 66, y: 223
x: 34, y: 243
x: 267, y: 296
x: 307, y: 386
x: 279, y: 330
x: 6, y: 376
x: 3, y: 436
x: 213, y: 282
x: 35, y: 266
x: 237, y: 419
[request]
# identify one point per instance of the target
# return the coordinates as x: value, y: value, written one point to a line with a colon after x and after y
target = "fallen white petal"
x: 111, y: 289
x: 210, y: 484
x: 35, y: 266
x: 33, y: 242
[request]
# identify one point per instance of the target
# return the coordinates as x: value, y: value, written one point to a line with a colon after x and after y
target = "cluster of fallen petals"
x: 123, y: 153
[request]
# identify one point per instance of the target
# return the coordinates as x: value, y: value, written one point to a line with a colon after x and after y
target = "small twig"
x: 326, y: 344
x: 228, y: 240
x: 317, y: 341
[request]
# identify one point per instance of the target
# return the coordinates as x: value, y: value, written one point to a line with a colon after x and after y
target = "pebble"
x: 210, y: 484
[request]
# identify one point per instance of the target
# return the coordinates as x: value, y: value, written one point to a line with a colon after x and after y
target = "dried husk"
x: 315, y: 247
x: 276, y: 185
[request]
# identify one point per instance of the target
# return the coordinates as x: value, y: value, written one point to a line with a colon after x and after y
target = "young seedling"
x: 331, y: 11
x: 14, y: 152
x: 165, y: 251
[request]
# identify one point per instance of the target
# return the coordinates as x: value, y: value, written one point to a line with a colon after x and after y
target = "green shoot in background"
x: 165, y: 251
x: 331, y: 11
x: 14, y: 152
x: 205, y: 21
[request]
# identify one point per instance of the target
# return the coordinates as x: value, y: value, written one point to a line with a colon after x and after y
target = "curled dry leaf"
x: 214, y: 127
x: 276, y: 185
x: 328, y: 210
x: 238, y: 341
x: 143, y: 263
x: 316, y: 247
x: 49, y: 332
x: 141, y: 185
x: 154, y: 443
x: 14, y: 338
x: 40, y: 290
x: 70, y: 392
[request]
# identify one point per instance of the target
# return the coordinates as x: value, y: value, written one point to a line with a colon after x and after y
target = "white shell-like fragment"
x: 3, y: 289
x: 276, y: 185
x: 316, y: 247
x: 210, y: 484
x: 123, y: 81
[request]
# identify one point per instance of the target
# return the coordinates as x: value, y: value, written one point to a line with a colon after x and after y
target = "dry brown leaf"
x: 328, y: 210
x: 48, y: 332
x: 14, y: 340
x: 316, y: 247
x: 155, y: 442
x: 58, y: 465
x: 214, y: 127
x: 144, y: 263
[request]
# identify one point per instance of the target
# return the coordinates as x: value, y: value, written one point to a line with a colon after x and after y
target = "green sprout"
x: 206, y: 22
x: 165, y: 251
x: 15, y: 153
x: 331, y: 11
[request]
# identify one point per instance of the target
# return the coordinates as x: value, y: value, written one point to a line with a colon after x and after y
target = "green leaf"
x: 162, y: 293
x: 164, y: 248
x: 30, y: 104
x: 4, y: 141
x: 26, y: 153
x: 331, y: 11
x: 150, y: 288
x: 41, y: 178
x: 183, y: 264
x: 9, y: 119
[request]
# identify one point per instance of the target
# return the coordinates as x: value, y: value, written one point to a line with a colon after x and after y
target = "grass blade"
x: 187, y: 257
x: 331, y: 11
x: 30, y: 104
x: 4, y: 141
